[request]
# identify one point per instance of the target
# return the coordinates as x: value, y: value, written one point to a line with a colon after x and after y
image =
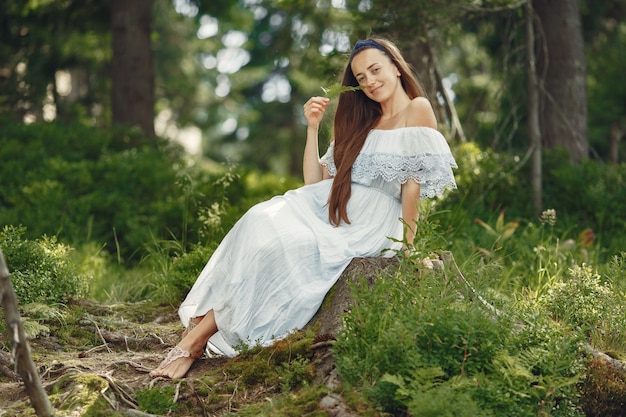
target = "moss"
x: 296, y: 345
x: 33, y: 329
x: 257, y: 373
x: 158, y: 400
x: 21, y: 408
x: 80, y: 395
x: 358, y: 401
x: 304, y: 402
x: 328, y: 298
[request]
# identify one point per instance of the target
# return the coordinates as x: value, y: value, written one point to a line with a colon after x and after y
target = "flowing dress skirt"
x: 271, y: 272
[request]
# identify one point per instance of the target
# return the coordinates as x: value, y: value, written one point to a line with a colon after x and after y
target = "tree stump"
x: 339, y: 299
x: 327, y: 322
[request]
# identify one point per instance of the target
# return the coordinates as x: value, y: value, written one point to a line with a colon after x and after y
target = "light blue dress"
x: 271, y: 272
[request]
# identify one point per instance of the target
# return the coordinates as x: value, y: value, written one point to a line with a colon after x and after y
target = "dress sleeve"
x: 328, y: 161
x: 417, y: 153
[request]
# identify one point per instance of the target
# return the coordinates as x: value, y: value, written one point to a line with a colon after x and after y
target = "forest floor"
x: 95, y: 361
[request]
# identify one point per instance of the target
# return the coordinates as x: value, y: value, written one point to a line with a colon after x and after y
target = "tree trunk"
x: 615, y: 135
x: 132, y: 73
x: 420, y: 54
x: 534, y: 129
x: 25, y: 365
x: 562, y: 67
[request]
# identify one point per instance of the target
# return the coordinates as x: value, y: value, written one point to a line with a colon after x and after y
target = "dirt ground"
x: 94, y: 359
x: 100, y: 360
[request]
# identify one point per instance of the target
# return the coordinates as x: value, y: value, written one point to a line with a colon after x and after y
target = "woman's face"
x: 375, y: 72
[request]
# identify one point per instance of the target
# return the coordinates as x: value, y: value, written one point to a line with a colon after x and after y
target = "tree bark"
x: 534, y: 129
x: 328, y: 318
x: 132, y: 72
x: 562, y: 67
x: 25, y: 365
x: 615, y: 135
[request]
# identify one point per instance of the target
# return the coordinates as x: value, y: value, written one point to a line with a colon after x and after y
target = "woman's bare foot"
x: 180, y: 359
x: 176, y: 364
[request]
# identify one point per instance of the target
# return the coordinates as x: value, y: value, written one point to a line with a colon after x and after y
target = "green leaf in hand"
x: 335, y: 90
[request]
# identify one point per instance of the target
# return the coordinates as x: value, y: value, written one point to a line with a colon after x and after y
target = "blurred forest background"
x: 535, y: 88
x: 133, y: 134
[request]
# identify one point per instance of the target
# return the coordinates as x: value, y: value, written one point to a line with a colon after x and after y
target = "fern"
x: 336, y: 90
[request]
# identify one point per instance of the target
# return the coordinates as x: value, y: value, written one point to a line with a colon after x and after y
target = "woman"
x: 272, y: 270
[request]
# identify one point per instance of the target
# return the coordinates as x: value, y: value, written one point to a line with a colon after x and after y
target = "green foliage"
x: 587, y: 195
x: 501, y: 232
x: 77, y: 42
x: 426, y: 394
x: 41, y: 269
x: 298, y: 372
x: 158, y: 400
x: 583, y: 196
x: 437, y: 345
x: 177, y: 279
x: 616, y: 271
x: 84, y: 184
x: 489, y: 181
x: 285, y: 367
x: 606, y: 65
x: 584, y: 301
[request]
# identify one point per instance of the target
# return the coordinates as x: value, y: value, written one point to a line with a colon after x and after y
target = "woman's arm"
x: 410, y: 208
x: 314, y: 110
x: 420, y: 113
x: 312, y: 170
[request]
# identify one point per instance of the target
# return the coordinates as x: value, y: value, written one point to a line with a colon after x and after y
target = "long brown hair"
x: 355, y: 116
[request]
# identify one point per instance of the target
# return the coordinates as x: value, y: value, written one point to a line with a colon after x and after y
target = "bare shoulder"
x: 421, y: 113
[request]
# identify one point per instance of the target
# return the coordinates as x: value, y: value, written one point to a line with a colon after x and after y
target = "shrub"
x: 41, y: 270
x: 175, y: 278
x: 588, y: 195
x: 583, y: 301
x: 585, y: 195
x: 434, y: 346
x: 110, y: 186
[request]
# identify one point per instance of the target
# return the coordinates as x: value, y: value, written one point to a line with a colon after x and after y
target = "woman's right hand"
x: 314, y: 110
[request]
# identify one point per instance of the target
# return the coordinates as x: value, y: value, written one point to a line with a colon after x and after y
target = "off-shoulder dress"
x: 271, y: 272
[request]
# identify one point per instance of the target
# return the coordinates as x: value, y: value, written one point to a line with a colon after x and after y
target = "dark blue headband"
x: 367, y: 43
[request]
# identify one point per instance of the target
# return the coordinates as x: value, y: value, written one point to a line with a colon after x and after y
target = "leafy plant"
x: 41, y: 270
x: 501, y: 231
x: 583, y: 301
x: 336, y: 90
x: 297, y: 373
x: 433, y: 347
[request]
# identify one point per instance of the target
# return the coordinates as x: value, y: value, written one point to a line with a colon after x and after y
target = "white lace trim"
x: 417, y: 153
